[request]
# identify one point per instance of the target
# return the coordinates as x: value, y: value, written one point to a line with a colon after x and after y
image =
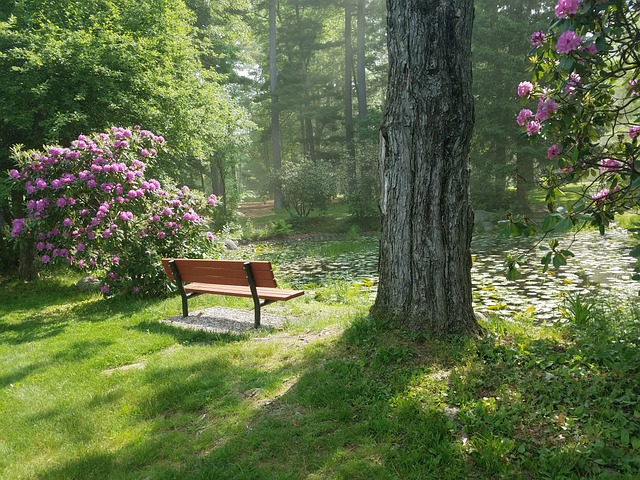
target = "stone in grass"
x: 88, y: 284
x: 230, y: 244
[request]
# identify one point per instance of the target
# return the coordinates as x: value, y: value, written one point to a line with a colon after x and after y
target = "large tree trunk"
x: 425, y: 260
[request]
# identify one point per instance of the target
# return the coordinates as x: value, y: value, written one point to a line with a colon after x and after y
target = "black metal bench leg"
x: 185, y: 306
x: 183, y: 294
x: 254, y: 294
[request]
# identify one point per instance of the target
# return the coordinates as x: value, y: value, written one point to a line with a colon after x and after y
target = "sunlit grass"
x: 102, y: 389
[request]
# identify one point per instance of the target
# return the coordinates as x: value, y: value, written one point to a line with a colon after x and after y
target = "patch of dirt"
x: 256, y: 209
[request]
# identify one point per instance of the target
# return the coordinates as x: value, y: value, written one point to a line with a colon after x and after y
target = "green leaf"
x: 566, y: 63
x: 559, y: 260
x: 513, y: 273
x: 635, y: 443
x: 635, y: 252
x: 549, y: 223
x: 564, y: 226
x: 624, y: 437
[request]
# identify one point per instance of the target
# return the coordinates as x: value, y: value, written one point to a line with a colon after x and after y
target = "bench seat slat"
x: 265, y: 293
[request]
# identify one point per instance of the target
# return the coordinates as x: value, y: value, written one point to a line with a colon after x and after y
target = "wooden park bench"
x: 237, y: 278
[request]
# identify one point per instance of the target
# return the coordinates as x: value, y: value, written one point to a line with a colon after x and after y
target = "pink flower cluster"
x: 99, y: 204
x: 568, y: 42
x: 525, y: 89
x: 610, y: 165
x: 538, y: 39
x: 546, y: 107
x: 564, y: 8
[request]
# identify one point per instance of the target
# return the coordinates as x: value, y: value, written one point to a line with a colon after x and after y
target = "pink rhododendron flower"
x: 15, y: 174
x: 523, y: 116
x: 564, y: 8
x: 634, y: 131
x: 212, y: 199
x: 161, y: 235
x: 553, y: 151
x: 18, y: 226
x: 602, y: 194
x: 525, y: 89
x: 533, y: 127
x: 104, y: 288
x: 546, y: 107
x: 45, y: 258
x: 538, y: 39
x: 610, y: 165
x: 568, y: 42
x: 67, y: 222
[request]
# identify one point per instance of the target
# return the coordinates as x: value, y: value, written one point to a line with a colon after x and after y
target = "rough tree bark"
x: 425, y: 260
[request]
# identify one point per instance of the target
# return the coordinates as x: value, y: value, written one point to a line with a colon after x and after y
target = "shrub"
x: 90, y: 205
x: 307, y: 186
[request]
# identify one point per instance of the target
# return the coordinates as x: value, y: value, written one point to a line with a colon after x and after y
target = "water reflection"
x: 601, y: 264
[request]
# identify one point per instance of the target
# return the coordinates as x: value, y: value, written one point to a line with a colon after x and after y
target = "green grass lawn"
x: 93, y: 388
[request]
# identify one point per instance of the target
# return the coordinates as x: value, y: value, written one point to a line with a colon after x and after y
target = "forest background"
x: 255, y: 99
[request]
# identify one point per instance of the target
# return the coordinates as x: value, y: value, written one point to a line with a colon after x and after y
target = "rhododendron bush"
x: 583, y: 104
x: 91, y: 205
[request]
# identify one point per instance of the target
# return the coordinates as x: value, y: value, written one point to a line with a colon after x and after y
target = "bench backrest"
x: 225, y: 272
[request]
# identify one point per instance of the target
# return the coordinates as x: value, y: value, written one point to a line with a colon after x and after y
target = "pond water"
x: 601, y: 264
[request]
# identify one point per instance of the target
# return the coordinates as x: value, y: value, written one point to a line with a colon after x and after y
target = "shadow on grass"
x: 342, y: 415
x: 19, y: 296
x: 186, y: 336
x: 38, y: 328
x: 376, y: 403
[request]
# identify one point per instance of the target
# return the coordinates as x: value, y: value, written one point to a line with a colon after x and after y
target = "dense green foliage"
x: 71, y: 67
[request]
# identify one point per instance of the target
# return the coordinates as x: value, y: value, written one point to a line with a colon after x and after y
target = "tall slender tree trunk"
x: 276, y: 148
x: 218, y: 181
x: 352, y: 169
x: 361, y: 78
x: 425, y: 260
